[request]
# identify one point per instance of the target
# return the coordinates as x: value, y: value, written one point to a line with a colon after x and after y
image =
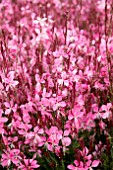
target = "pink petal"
x: 15, y: 161
x: 105, y: 115
x: 103, y: 107
x: 81, y: 164
x: 85, y: 151
x: 88, y: 163
x: 45, y: 102
x: 95, y: 163
x: 14, y: 83
x: 70, y: 117
x: 62, y: 104
x: 66, y: 82
x: 109, y: 105
x: 95, y: 107
x: 66, y: 141
x: 7, y: 104
x: 41, y: 131
x: 3, y: 119
x: 1, y: 86
x: 66, y: 132
x: 71, y: 167
x: 76, y: 163
x: 11, y: 75
x: 7, y: 112
x: 5, y: 163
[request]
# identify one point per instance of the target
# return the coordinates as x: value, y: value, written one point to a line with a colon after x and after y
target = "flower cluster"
x: 56, y: 84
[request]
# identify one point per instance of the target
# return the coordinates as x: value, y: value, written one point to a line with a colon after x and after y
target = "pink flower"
x: 57, y: 103
x: 105, y: 110
x: 95, y: 163
x: 76, y: 116
x: 78, y: 166
x: 54, y: 136
x: 10, y: 156
x: 98, y: 85
x: 66, y: 141
x: 88, y: 163
x: 36, y: 137
x: 29, y: 164
x: 75, y: 113
x: 10, y: 107
x: 83, y: 166
x: 10, y: 82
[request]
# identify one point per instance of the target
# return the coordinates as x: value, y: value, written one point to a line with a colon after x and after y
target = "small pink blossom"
x: 10, y: 156
x: 29, y: 164
x: 10, y: 82
x: 10, y: 107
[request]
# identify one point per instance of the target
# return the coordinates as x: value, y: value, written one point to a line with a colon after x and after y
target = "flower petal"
x: 95, y: 163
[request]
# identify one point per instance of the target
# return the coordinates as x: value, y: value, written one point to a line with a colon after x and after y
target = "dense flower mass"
x: 56, y: 84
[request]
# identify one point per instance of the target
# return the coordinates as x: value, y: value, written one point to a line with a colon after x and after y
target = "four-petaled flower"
x: 29, y: 164
x: 10, y: 156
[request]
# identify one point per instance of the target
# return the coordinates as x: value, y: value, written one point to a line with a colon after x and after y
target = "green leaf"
x: 63, y: 166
